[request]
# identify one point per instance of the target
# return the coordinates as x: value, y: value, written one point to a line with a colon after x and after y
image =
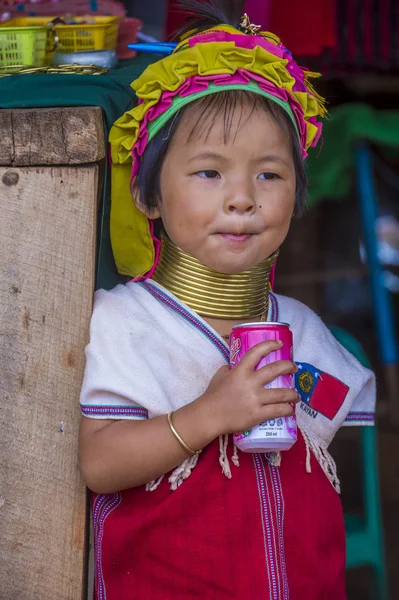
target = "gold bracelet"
x: 179, y: 439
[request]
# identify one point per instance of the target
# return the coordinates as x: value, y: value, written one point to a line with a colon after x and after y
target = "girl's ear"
x: 149, y: 212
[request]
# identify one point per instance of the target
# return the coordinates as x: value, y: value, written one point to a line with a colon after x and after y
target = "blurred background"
x: 342, y: 258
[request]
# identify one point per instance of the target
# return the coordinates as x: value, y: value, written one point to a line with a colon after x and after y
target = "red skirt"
x: 274, y: 533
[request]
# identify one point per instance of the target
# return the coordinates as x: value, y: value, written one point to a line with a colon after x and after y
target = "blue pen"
x: 154, y: 47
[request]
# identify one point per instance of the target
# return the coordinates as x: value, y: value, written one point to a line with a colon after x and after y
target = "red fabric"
x: 258, y: 12
x: 273, y: 533
x: 305, y: 28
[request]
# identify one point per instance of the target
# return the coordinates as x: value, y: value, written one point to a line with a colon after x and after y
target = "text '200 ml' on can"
x: 275, y: 434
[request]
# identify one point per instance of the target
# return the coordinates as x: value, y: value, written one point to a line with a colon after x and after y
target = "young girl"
x: 218, y: 142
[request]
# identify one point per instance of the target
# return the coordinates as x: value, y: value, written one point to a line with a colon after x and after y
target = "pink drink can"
x: 275, y: 434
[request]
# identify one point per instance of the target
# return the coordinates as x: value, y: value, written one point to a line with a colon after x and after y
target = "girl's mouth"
x: 242, y: 237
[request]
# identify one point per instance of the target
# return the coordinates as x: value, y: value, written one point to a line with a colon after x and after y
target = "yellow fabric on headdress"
x: 131, y: 238
x: 130, y: 234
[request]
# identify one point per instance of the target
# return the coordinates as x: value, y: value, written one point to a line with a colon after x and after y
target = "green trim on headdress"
x: 178, y: 102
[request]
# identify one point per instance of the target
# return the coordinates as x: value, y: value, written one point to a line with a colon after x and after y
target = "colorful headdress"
x: 218, y: 59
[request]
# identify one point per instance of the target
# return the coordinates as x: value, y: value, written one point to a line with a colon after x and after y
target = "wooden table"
x: 51, y: 163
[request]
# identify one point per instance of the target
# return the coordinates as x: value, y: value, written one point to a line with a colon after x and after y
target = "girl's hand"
x: 237, y: 399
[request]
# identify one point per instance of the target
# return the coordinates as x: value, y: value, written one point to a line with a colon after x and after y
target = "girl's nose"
x: 240, y: 202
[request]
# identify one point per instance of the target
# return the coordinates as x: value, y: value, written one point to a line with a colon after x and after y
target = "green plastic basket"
x: 23, y: 46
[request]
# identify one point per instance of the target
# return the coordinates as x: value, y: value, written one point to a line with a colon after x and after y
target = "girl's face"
x: 228, y: 202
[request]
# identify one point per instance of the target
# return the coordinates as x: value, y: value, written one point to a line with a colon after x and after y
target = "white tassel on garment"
x: 153, y: 485
x: 235, y: 459
x: 324, y: 459
x: 182, y: 472
x: 223, y: 458
x: 275, y: 458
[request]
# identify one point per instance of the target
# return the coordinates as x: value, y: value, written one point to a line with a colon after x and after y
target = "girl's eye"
x: 268, y: 176
x: 208, y: 174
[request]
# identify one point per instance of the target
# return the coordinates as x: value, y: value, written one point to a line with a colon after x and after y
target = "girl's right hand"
x: 237, y: 399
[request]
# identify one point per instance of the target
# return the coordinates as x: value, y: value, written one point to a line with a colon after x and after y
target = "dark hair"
x: 148, y: 180
x: 204, y: 14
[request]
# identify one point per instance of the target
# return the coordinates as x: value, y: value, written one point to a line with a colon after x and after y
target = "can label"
x: 235, y: 350
x: 274, y: 434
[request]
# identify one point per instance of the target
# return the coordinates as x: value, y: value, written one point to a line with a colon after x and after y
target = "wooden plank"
x: 47, y: 248
x: 51, y: 136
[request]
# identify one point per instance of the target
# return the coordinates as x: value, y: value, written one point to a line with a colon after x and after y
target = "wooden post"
x: 47, y: 265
